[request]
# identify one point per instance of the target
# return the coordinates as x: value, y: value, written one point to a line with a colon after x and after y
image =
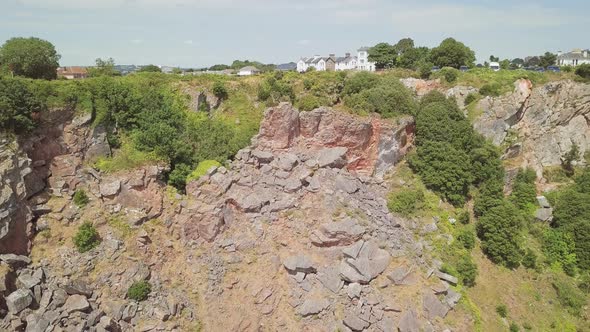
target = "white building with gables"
x: 331, y: 62
x: 574, y: 58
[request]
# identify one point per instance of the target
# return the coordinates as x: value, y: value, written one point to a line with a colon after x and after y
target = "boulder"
x: 355, y: 323
x: 332, y: 157
x: 76, y: 303
x: 18, y: 300
x: 110, y: 188
x: 340, y: 233
x: 370, y: 263
x: 78, y: 287
x: 543, y: 202
x: 312, y: 307
x: 433, y: 307
x: 447, y: 277
x: 15, y: 260
x: 263, y: 157
x: 299, y: 263
x: 544, y: 214
x: 409, y: 322
x: 330, y: 278
x: 287, y: 161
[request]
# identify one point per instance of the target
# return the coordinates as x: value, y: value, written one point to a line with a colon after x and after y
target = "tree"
x: 547, y: 59
x: 518, y: 62
x: 104, y: 67
x: 583, y: 71
x: 30, y: 57
x: 505, y: 64
x: 452, y: 53
x: 532, y: 61
x: 17, y: 105
x: 150, y: 69
x: 384, y: 55
x: 404, y: 45
x: 219, y: 67
x: 569, y: 159
x: 412, y: 58
x: 443, y: 169
x: 494, y: 58
x: 499, y: 230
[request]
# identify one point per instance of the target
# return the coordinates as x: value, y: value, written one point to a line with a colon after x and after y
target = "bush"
x: 177, y: 177
x: 471, y: 98
x: 524, y: 191
x: 86, y: 238
x: 450, y: 74
x: 569, y: 159
x: 502, y: 310
x: 467, y: 238
x: 569, y: 296
x: 464, y: 217
x: 389, y: 100
x: 559, y: 247
x: 219, y: 90
x: 358, y: 82
x: 139, y: 291
x: 80, y: 198
x: 308, y: 103
x: 529, y: 260
x: 583, y: 71
x: 467, y: 270
x: 500, y: 232
x: 18, y: 103
x: 491, y: 89
x: 514, y: 327
x: 406, y: 201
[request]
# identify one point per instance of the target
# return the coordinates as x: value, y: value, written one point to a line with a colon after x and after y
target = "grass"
x: 122, y: 228
x: 127, y: 157
x: 479, y: 77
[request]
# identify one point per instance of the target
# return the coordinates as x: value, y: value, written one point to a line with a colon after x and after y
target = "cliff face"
x: 538, y: 125
x: 15, y: 213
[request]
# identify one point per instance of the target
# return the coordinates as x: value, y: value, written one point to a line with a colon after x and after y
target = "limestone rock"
x: 354, y: 322
x: 110, y: 189
x: 338, y: 233
x: 333, y: 157
x: 299, y: 263
x: 409, y: 322
x: 313, y: 307
x: 18, y: 300
x: 433, y: 307
x: 76, y: 303
x: 370, y: 263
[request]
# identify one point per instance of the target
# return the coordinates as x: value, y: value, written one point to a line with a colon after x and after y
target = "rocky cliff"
x: 293, y: 235
x: 538, y: 125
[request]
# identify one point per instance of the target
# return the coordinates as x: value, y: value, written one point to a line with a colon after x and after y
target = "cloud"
x: 453, y: 18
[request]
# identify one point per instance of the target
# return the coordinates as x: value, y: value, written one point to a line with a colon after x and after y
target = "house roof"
x: 575, y: 55
x: 364, y: 48
x: 249, y: 68
x: 345, y: 59
x: 72, y: 70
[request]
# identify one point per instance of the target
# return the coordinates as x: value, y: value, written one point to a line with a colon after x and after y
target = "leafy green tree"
x: 505, y: 64
x: 404, y: 45
x: 219, y: 67
x: 104, y: 67
x: 358, y: 82
x: 529, y: 260
x: 486, y: 164
x: 386, y: 99
x: 467, y: 270
x: 491, y: 194
x: 384, y: 55
x: 150, y: 69
x: 517, y: 62
x: 443, y: 169
x: 413, y: 57
x: 18, y: 103
x: 452, y: 53
x: 582, y: 182
x: 524, y: 192
x: 494, y: 58
x: 500, y: 232
x: 219, y: 90
x: 406, y: 202
x: 467, y: 238
x: 30, y: 57
x: 559, y: 247
x: 547, y: 59
x: 532, y: 61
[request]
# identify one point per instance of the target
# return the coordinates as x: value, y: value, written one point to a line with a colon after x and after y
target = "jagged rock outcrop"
x: 15, y: 213
x: 374, y: 145
x: 538, y: 124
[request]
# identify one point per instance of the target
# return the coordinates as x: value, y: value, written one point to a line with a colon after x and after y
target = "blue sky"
x: 194, y: 33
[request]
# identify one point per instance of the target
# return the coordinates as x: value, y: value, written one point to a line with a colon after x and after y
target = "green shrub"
x: 18, y: 103
x: 357, y: 82
x: 80, y: 198
x: 464, y: 217
x: 177, y: 177
x: 569, y: 296
x: 388, y: 99
x: 202, y: 169
x: 450, y: 74
x: 467, y: 270
x: 524, y: 192
x: 471, y: 98
x: 491, y: 89
x: 139, y: 290
x: 406, y: 201
x: 514, y: 327
x: 502, y: 310
x: 308, y: 103
x: 559, y: 247
x: 529, y: 260
x: 86, y: 238
x: 583, y: 71
x: 500, y: 232
x: 467, y: 238
x: 219, y: 90
x: 568, y: 160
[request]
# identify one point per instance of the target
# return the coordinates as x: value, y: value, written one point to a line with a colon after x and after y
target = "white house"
x: 573, y: 58
x: 363, y: 62
x: 318, y: 62
x: 248, y: 71
x: 346, y: 63
x: 331, y: 62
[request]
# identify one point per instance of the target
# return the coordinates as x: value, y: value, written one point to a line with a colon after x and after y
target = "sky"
x: 199, y: 33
